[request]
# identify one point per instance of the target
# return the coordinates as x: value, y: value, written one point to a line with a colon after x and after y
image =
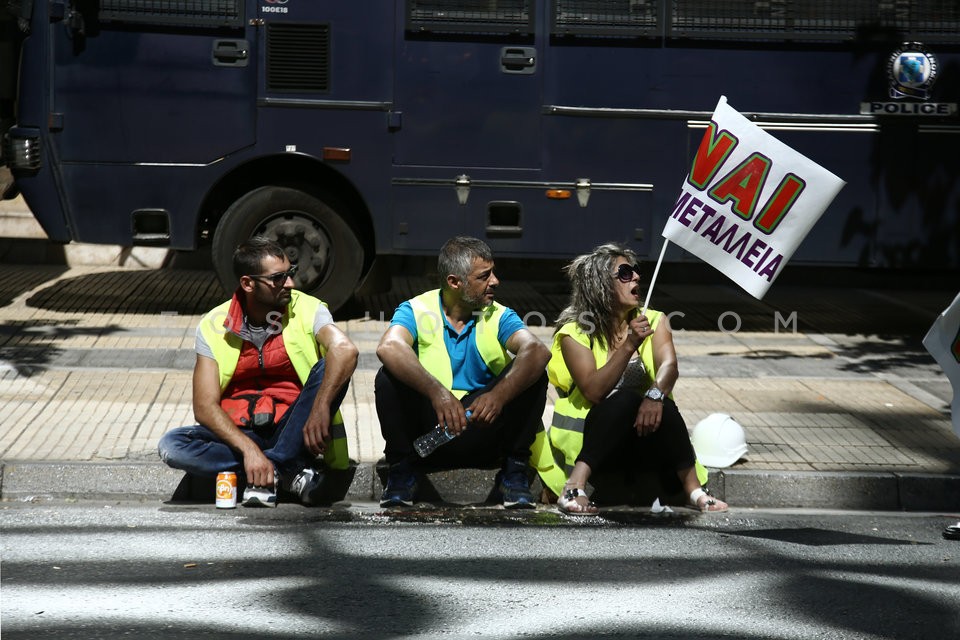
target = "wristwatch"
x: 654, y: 394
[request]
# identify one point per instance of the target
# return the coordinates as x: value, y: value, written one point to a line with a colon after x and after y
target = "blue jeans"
x: 198, y: 451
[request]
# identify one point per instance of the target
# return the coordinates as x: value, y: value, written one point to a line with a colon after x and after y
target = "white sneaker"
x: 259, y: 497
x: 254, y: 496
x: 307, y: 485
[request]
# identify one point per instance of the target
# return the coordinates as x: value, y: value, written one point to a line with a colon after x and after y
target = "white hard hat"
x: 719, y: 441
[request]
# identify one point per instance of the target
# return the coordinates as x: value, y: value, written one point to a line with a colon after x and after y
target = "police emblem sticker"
x: 912, y: 70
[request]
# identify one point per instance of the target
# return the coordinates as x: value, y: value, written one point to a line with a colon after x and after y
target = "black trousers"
x: 405, y: 415
x: 610, y: 439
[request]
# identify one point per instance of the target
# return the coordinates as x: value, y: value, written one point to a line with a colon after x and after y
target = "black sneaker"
x: 307, y: 486
x: 401, y: 486
x: 514, y: 485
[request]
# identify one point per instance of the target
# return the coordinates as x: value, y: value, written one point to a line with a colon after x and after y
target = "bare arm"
x: 665, y: 358
x: 341, y: 361
x: 398, y: 357
x: 206, y: 408
x: 665, y: 365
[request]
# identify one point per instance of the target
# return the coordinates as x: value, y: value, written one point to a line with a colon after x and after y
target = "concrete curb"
x: 30, y: 481
x: 876, y: 491
x: 879, y: 491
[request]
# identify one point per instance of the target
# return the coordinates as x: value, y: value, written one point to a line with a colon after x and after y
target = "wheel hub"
x: 305, y: 243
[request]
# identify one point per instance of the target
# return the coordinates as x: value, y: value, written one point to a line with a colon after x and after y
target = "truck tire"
x: 312, y: 232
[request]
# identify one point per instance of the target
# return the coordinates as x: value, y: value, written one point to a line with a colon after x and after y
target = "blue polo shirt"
x: 470, y: 372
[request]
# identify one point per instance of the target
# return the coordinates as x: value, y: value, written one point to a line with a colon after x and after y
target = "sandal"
x: 700, y: 499
x: 567, y: 503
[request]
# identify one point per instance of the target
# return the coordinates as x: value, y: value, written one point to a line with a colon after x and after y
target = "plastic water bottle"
x: 428, y: 442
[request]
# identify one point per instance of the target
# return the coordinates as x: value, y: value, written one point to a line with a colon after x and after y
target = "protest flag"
x: 748, y: 201
x: 943, y: 343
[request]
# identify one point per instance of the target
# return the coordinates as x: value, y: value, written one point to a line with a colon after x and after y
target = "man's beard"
x: 278, y: 302
x: 476, y: 302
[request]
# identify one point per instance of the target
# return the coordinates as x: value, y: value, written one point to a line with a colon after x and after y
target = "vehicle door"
x: 151, y: 81
x: 466, y: 104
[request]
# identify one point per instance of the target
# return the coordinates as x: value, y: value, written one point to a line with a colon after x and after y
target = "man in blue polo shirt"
x: 451, y: 349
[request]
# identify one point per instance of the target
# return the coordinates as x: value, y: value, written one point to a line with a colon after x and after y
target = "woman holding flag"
x: 614, y: 369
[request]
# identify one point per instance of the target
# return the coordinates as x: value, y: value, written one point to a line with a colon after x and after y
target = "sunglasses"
x: 625, y: 272
x: 278, y: 279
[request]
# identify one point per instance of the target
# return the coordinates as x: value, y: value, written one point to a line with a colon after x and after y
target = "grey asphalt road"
x: 151, y: 570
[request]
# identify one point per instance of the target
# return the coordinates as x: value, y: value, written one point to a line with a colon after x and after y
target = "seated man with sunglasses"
x: 271, y: 372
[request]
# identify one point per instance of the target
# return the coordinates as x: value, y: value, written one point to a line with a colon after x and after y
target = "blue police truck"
x: 352, y: 131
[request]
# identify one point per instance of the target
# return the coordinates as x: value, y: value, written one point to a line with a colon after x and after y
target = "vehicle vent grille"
x: 298, y: 58
x: 927, y: 21
x: 930, y: 21
x: 186, y: 13
x: 471, y: 16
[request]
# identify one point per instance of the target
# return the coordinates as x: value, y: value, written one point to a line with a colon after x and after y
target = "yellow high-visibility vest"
x: 432, y: 351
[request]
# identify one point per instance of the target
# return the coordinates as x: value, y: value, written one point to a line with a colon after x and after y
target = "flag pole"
x: 653, y: 280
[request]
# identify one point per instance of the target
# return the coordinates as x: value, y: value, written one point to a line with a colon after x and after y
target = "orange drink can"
x: 226, y: 490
